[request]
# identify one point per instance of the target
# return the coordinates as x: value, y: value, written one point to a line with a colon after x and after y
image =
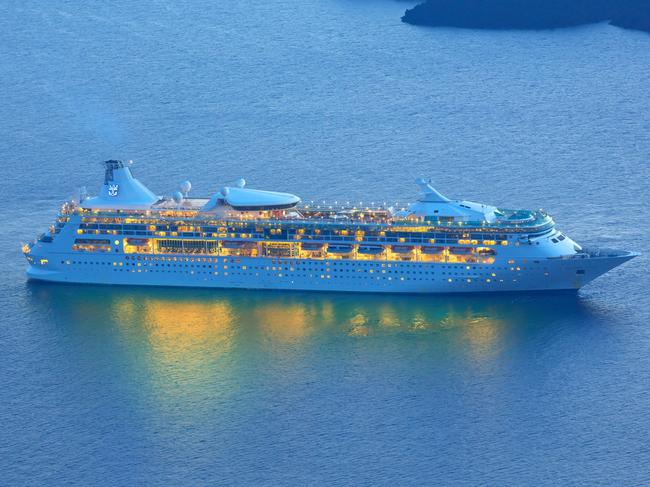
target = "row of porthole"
x: 225, y: 267
x: 267, y: 268
x: 273, y: 268
x: 389, y: 278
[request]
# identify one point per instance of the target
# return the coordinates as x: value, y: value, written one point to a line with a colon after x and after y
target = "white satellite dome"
x: 185, y: 187
x: 177, y: 196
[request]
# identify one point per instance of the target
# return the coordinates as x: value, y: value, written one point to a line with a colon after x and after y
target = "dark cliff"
x: 529, y: 14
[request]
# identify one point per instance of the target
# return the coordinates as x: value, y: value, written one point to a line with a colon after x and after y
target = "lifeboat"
x: 486, y: 251
x: 339, y: 248
x: 311, y: 246
x: 138, y: 242
x: 93, y: 241
x: 432, y: 250
x: 402, y: 249
x: 461, y: 250
x: 371, y: 249
x: 237, y: 244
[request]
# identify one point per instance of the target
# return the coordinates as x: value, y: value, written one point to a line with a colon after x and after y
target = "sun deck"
x: 517, y: 221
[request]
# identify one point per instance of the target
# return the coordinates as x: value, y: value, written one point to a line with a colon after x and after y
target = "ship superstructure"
x: 246, y: 238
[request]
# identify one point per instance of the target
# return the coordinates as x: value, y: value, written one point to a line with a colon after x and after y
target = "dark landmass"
x: 632, y: 15
x: 529, y: 14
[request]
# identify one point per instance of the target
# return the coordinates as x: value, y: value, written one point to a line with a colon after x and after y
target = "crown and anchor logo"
x: 112, y: 189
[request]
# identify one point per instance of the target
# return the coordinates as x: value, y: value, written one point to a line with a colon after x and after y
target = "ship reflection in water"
x: 189, y: 344
x: 183, y: 339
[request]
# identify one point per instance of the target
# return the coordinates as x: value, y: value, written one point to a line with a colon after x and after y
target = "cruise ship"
x: 248, y: 238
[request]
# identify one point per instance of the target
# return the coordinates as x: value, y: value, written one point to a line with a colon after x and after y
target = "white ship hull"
x: 552, y: 274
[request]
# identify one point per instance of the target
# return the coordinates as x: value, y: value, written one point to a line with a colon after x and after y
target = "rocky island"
x: 529, y: 14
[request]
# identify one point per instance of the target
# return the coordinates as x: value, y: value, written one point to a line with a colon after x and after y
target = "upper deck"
x: 318, y: 214
x: 125, y: 201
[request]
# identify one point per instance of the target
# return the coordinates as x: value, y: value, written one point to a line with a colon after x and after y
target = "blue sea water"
x: 328, y: 99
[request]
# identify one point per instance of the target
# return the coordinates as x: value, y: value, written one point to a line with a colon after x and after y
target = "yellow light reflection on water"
x: 180, y: 341
x: 186, y: 334
x: 481, y: 332
x: 184, y: 339
x: 327, y: 312
x: 177, y: 327
x: 388, y: 317
x: 285, y: 323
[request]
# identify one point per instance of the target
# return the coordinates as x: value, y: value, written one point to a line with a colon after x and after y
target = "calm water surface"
x: 328, y: 99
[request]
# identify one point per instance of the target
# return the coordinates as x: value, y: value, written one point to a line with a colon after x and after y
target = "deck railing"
x: 332, y: 217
